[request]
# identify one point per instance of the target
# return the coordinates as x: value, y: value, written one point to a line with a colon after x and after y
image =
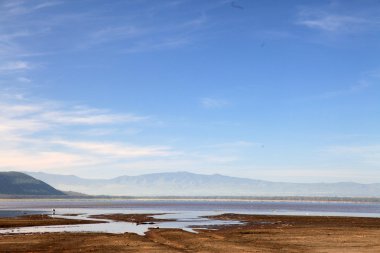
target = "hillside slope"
x: 16, y: 183
x: 190, y: 184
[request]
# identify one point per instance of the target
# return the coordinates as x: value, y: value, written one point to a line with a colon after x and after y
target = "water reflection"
x: 15, y: 213
x: 186, y: 213
x: 187, y: 221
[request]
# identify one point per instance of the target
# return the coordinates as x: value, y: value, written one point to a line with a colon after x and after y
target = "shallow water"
x: 186, y: 213
x: 15, y: 213
x: 232, y: 206
x: 187, y: 221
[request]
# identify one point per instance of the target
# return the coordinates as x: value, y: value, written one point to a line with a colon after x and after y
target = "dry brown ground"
x: 136, y: 218
x: 259, y: 234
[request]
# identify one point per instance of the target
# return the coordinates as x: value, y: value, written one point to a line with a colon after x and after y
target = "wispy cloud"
x: 11, y: 159
x: 48, y: 136
x: 21, y: 7
x: 165, y: 43
x: 332, y: 23
x: 53, y: 114
x: 213, y: 103
x: 368, y: 81
x: 14, y: 66
x: 41, y: 135
x: 16, y: 28
x: 337, y: 20
x: 85, y: 116
x: 23, y: 79
x: 115, y: 33
x: 116, y: 150
x: 29, y: 30
x: 365, y: 154
x: 139, y: 37
x: 236, y: 144
x: 358, y: 87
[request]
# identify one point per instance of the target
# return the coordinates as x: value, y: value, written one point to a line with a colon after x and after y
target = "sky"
x: 273, y: 90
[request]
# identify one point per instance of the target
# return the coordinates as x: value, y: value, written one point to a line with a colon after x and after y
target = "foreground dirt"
x: 258, y: 234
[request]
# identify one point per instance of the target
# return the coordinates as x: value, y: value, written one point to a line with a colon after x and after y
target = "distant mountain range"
x: 16, y: 183
x: 190, y: 184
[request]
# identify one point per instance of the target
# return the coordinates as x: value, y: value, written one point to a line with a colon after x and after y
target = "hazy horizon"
x: 284, y: 91
x: 186, y: 172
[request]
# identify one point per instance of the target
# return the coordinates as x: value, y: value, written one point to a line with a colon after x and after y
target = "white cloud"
x: 48, y: 136
x: 8, y: 37
x: 332, y: 23
x: 42, y: 160
x: 115, y: 33
x: 236, y: 144
x: 34, y: 135
x: 156, y: 45
x: 41, y: 115
x: 110, y: 131
x: 24, y: 126
x: 148, y: 37
x: 86, y: 117
x: 20, y: 7
x: 141, y: 33
x: 22, y: 79
x: 338, y: 19
x: 359, y: 86
x: 116, y: 149
x: 14, y: 66
x: 46, y: 4
x: 17, y: 27
x: 213, y: 103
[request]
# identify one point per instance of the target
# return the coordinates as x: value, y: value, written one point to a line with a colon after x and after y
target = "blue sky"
x: 274, y: 90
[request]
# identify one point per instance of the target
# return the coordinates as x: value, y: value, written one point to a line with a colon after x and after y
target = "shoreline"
x: 258, y: 233
x: 353, y: 200
x: 40, y: 220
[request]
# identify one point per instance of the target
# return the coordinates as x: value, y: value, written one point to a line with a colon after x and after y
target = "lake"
x: 226, y: 206
x: 187, y: 214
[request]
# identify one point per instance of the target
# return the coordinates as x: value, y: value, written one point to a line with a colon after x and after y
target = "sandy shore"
x: 260, y: 233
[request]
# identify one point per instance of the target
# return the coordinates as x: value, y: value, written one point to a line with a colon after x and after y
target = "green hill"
x: 16, y: 183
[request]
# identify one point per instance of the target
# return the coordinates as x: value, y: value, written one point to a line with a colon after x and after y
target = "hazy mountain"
x: 189, y: 184
x: 16, y: 183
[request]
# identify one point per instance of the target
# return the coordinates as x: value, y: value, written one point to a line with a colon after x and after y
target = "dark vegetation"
x: 16, y: 183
